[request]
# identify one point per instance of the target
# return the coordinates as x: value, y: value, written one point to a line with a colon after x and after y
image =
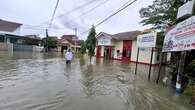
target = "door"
x: 127, y: 45
x: 98, y: 52
x: 108, y: 52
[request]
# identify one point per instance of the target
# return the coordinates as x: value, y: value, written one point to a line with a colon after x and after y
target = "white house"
x: 123, y: 46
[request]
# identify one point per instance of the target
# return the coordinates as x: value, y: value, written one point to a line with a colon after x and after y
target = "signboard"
x: 147, y: 40
x: 182, y: 37
x: 104, y: 41
x: 186, y: 9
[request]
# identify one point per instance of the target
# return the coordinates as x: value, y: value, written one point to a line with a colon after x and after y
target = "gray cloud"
x: 34, y: 12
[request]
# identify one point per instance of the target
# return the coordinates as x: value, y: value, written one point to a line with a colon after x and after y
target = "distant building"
x: 8, y: 26
x: 69, y: 42
x: 10, y: 38
x: 32, y: 40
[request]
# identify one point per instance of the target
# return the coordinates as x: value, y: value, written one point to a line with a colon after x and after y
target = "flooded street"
x: 38, y: 81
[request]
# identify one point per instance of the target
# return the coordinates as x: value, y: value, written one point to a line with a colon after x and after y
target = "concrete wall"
x: 6, y: 47
x: 144, y: 54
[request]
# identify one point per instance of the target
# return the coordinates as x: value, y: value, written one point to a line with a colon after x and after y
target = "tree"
x: 83, y: 47
x: 91, y: 42
x: 161, y: 13
x: 51, y: 42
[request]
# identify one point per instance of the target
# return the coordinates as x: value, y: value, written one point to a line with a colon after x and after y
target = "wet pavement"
x: 38, y: 81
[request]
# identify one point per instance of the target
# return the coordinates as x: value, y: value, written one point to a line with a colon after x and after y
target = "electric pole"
x: 75, y: 40
x: 46, y: 42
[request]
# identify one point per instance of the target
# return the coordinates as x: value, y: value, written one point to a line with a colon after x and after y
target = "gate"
x: 21, y: 47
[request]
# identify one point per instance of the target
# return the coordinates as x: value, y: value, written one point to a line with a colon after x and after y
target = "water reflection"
x: 87, y: 81
x: 67, y: 72
x: 42, y: 81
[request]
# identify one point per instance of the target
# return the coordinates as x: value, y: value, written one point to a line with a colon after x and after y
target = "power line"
x: 87, y: 12
x: 37, y: 28
x: 115, y: 13
x: 124, y: 6
x: 54, y: 13
x: 73, y: 10
x: 43, y: 28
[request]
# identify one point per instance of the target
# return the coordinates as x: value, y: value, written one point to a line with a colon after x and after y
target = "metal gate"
x: 21, y: 47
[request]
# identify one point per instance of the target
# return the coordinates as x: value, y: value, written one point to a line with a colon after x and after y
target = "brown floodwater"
x: 42, y: 81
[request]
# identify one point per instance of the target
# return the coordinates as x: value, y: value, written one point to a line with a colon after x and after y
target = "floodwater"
x: 38, y: 81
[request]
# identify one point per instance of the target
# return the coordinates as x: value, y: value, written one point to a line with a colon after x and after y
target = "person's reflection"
x: 67, y: 72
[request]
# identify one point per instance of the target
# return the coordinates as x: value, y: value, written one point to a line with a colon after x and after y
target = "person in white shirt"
x: 68, y: 56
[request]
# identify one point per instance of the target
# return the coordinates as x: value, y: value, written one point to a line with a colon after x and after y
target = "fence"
x: 21, y: 47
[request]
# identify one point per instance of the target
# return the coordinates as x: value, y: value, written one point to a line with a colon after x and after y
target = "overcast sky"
x: 38, y: 13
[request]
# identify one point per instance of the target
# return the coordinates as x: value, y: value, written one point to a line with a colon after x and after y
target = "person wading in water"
x: 68, y: 56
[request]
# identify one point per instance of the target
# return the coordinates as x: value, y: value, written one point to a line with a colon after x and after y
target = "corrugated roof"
x: 131, y: 35
x: 8, y: 26
x: 127, y: 35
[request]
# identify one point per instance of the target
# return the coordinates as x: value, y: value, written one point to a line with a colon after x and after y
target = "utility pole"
x: 75, y: 40
x: 46, y: 43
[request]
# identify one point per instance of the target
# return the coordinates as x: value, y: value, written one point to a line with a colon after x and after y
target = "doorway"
x: 126, y: 55
x: 108, y: 52
x: 98, y: 52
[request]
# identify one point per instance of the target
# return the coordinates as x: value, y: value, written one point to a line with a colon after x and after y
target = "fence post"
x: 137, y: 61
x: 180, y: 71
x: 150, y: 63
x: 160, y: 66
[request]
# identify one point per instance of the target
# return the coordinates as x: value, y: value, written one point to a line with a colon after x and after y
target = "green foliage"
x: 190, y: 68
x: 51, y: 42
x: 91, y: 42
x: 83, y: 47
x: 188, y: 90
x: 160, y: 39
x: 161, y: 13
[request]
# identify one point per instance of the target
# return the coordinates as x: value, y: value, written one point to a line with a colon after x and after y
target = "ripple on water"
x: 49, y: 84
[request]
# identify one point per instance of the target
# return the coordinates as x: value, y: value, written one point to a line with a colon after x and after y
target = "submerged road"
x: 38, y: 81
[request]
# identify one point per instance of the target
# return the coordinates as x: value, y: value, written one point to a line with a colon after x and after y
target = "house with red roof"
x: 69, y: 42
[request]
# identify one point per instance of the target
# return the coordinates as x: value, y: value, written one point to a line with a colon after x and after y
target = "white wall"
x: 144, y: 54
x: 102, y: 51
x: 118, y: 45
x: 17, y: 31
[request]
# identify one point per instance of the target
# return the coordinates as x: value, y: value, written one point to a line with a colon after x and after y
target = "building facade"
x: 11, y: 40
x: 123, y: 46
x: 69, y: 42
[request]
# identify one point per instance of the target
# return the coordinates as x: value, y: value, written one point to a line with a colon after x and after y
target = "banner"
x: 182, y: 37
x: 104, y: 41
x: 147, y: 40
x: 186, y: 9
